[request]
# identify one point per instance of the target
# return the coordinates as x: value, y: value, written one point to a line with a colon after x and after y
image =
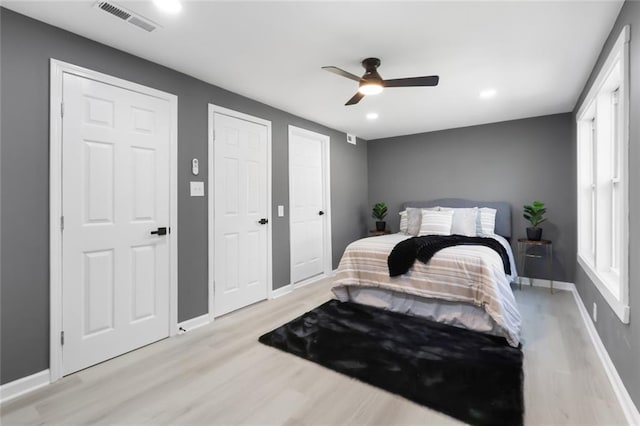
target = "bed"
x: 464, y: 286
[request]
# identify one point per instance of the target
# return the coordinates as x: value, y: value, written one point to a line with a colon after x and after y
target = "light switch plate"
x: 197, y: 189
x: 280, y: 211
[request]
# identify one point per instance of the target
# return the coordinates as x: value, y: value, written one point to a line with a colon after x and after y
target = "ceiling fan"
x: 371, y: 83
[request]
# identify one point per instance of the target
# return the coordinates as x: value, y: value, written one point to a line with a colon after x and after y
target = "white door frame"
x: 57, y: 71
x: 213, y: 109
x: 327, y: 268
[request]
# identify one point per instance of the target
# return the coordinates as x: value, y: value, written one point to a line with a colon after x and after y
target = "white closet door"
x: 116, y: 192
x: 308, y: 215
x: 241, y: 213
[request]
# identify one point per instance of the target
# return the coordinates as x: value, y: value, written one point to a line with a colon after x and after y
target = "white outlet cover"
x: 280, y: 211
x: 197, y: 189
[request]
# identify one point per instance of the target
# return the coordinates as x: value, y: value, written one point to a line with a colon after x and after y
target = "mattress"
x: 464, y: 286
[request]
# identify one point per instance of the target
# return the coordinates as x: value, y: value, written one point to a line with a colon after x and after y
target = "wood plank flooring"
x: 221, y: 375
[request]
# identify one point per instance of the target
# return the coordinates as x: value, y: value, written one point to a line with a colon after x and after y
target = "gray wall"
x: 26, y: 46
x: 515, y: 161
x: 622, y: 340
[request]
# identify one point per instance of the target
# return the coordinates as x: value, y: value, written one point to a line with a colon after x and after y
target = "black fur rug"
x: 470, y: 376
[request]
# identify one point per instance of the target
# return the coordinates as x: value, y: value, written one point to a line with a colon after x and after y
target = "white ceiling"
x: 537, y: 55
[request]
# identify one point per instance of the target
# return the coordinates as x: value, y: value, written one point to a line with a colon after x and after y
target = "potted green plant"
x: 379, y: 212
x: 534, y: 213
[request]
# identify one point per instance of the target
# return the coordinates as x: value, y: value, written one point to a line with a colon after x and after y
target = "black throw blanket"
x: 405, y: 253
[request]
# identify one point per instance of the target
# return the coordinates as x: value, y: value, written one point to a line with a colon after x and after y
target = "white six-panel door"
x: 308, y: 203
x: 115, y: 192
x: 241, y: 212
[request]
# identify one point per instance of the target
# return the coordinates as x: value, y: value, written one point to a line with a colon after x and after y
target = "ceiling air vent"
x: 127, y: 15
x: 108, y: 7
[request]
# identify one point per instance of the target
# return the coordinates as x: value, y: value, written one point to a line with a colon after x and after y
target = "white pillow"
x: 435, y: 222
x: 414, y: 218
x: 464, y: 221
x: 486, y: 223
x: 403, y: 221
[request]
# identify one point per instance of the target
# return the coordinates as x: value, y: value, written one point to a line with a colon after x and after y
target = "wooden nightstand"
x: 523, y: 253
x: 374, y: 233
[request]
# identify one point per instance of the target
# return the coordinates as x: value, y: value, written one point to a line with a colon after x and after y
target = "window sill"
x: 621, y: 309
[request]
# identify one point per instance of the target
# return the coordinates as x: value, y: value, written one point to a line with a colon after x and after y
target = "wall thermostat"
x: 194, y: 167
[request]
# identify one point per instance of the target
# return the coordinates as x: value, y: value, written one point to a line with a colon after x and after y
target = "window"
x: 602, y: 132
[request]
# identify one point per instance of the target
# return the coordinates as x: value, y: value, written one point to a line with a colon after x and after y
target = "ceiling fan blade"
x: 342, y: 72
x: 431, y: 80
x: 355, y: 99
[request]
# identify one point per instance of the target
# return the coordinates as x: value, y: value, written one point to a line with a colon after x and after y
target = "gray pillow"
x: 403, y: 221
x: 414, y: 219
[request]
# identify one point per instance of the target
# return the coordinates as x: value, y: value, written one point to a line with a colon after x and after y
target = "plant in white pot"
x: 379, y: 212
x: 534, y: 213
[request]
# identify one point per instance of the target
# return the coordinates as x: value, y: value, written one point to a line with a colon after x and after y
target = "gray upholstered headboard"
x: 503, y: 214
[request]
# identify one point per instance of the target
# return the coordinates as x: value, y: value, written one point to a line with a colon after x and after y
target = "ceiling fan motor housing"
x: 371, y: 64
x: 371, y: 73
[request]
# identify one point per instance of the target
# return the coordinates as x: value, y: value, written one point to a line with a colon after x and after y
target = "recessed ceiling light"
x: 488, y: 93
x: 372, y: 116
x: 169, y: 6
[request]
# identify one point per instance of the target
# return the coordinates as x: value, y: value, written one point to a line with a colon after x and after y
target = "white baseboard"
x: 628, y: 407
x: 630, y: 410
x: 193, y: 323
x: 279, y: 292
x: 311, y: 280
x: 24, y: 385
x: 557, y: 285
x: 291, y: 287
x: 35, y: 381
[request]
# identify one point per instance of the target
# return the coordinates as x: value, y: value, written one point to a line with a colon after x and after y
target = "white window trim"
x: 619, y: 51
x: 621, y: 309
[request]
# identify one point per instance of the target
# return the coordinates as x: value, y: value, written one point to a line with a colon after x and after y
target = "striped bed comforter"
x: 461, y: 274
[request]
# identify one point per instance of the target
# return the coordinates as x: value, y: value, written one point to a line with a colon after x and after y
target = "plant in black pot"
x: 534, y: 213
x: 379, y: 212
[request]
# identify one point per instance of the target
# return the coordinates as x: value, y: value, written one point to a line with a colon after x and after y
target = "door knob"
x: 160, y: 231
x: 320, y: 213
x: 263, y: 221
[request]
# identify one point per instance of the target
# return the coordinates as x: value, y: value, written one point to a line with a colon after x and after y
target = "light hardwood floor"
x: 220, y: 374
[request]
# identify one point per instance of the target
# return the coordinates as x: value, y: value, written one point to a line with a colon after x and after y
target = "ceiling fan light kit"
x: 368, y: 88
x: 371, y: 83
